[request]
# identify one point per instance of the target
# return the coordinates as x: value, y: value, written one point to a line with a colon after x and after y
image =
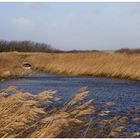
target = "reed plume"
x: 25, y: 115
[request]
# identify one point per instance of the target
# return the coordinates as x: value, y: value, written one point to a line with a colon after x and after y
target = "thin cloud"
x: 22, y: 22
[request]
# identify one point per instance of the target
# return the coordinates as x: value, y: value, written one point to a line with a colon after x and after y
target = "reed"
x: 10, y: 65
x: 99, y: 64
x: 24, y: 115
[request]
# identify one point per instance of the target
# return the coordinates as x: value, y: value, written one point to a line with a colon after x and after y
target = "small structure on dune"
x: 26, y: 65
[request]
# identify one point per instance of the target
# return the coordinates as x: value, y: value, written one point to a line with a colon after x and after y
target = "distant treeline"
x: 79, y: 51
x: 25, y: 46
x: 129, y: 51
x: 30, y: 46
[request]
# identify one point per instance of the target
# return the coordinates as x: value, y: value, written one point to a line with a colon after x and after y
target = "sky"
x: 71, y: 25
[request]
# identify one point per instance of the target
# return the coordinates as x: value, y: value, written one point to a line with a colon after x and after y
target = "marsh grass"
x: 22, y: 115
x: 99, y: 64
x: 10, y: 65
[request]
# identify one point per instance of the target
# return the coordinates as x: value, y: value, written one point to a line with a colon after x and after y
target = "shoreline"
x: 68, y: 75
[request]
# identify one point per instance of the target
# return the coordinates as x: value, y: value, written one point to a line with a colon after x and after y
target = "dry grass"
x: 24, y: 115
x: 102, y: 64
x: 91, y: 64
x: 10, y: 65
x: 27, y: 115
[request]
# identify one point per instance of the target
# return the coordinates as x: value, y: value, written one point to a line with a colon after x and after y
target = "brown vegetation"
x: 24, y: 115
x: 10, y: 65
x: 102, y: 64
x: 90, y: 64
x: 27, y: 115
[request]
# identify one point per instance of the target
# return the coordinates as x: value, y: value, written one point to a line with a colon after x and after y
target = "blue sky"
x: 67, y: 26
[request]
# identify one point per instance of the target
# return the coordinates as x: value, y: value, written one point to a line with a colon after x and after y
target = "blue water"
x: 125, y: 94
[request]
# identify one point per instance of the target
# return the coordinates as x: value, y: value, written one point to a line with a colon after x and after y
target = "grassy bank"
x: 10, y: 65
x: 25, y: 115
x: 102, y: 64
x: 92, y: 64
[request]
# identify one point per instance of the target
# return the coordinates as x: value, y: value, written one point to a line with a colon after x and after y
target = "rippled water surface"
x: 124, y: 94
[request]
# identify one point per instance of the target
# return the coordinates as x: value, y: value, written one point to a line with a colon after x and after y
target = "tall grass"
x: 24, y: 115
x: 10, y: 65
x: 90, y: 64
x: 102, y: 64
